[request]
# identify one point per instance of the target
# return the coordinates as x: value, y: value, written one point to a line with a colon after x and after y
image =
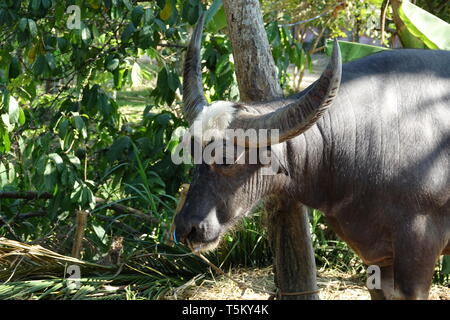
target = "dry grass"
x: 20, y: 260
x: 334, y: 285
x: 24, y: 261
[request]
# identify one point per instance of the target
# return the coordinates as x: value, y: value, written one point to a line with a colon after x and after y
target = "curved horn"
x: 296, y: 117
x: 193, y: 97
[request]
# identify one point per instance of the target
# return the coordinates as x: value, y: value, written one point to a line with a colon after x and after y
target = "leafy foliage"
x: 65, y: 138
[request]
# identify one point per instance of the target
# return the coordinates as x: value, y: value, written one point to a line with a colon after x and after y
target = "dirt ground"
x: 333, y: 285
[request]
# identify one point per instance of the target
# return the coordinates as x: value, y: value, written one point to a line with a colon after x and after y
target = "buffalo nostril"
x: 191, y: 234
x: 181, y: 235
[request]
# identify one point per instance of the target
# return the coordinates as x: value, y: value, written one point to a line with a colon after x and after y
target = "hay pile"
x: 20, y: 260
x: 334, y: 285
x: 34, y: 272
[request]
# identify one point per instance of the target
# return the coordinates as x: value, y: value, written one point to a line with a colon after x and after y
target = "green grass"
x: 133, y: 102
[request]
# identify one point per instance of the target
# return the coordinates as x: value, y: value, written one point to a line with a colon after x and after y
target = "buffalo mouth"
x: 204, y: 246
x: 206, y: 240
x: 206, y: 237
x: 210, y: 240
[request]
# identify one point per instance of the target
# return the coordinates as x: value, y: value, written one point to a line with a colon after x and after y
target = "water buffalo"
x: 376, y: 163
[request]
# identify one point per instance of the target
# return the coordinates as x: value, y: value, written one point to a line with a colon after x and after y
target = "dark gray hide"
x: 377, y: 163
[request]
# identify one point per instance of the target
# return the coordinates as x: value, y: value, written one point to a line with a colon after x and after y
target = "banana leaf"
x: 216, y: 19
x: 433, y: 32
x: 353, y: 51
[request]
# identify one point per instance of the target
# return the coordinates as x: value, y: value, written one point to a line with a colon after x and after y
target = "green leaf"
x: 136, y: 78
x: 13, y: 110
x: 273, y: 33
x: 47, y: 3
x: 163, y: 86
x: 6, y: 122
x: 434, y: 32
x: 166, y: 12
x: 63, y: 127
x: 80, y: 126
x: 104, y: 105
x: 112, y: 63
x: 169, y: 97
x: 218, y: 21
x: 118, y: 78
x: 74, y: 160
x: 23, y: 24
x: 3, y: 170
x: 128, y: 32
x: 32, y: 27
x: 117, y: 149
x: 190, y: 13
x: 149, y: 16
x: 160, y: 24
x: 35, y: 4
x: 51, y: 62
x: 162, y: 81
x: 21, y: 117
x: 87, y: 198
x: 76, y: 193
x: 136, y: 15
x: 212, y: 11
x: 56, y: 158
x: 92, y: 98
x: 15, y: 68
x: 40, y: 163
x: 99, y: 232
x: 146, y: 37
x: 173, y: 81
x: 6, y: 141
x: 128, y: 4
x: 163, y: 119
x: 85, y: 33
x: 60, y: 11
x: 40, y: 65
x: 63, y: 45
x: 50, y: 42
x: 50, y: 177
x: 376, y: 3
x: 352, y: 51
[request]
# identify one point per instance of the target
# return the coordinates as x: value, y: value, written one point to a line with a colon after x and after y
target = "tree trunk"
x: 294, y: 264
x: 255, y: 69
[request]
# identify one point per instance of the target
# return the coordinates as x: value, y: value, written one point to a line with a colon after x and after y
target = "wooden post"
x: 294, y: 263
x: 79, y: 233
